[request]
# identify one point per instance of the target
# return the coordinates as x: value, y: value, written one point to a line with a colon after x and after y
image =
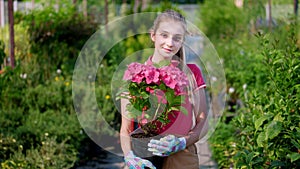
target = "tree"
x: 296, y: 7
x: 11, y: 33
x: 84, y: 7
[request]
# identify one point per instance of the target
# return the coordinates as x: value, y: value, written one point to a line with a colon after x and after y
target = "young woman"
x: 177, y: 147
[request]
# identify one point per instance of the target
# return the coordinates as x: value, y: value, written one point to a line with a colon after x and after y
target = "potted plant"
x: 154, y: 92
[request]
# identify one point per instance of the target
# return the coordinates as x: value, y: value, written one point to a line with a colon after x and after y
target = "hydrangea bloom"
x: 167, y: 84
x: 170, y: 75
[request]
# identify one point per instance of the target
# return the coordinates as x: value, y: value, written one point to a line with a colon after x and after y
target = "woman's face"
x: 168, y: 39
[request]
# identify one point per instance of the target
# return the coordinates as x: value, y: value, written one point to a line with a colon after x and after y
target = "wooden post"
x: 11, y: 32
x: 84, y: 8
x: 57, y: 5
x: 270, y: 14
x: 136, y: 6
x: 2, y: 21
x: 106, y: 14
x: 296, y: 7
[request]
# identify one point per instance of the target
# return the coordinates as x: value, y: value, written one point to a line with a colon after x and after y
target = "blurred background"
x: 40, y: 40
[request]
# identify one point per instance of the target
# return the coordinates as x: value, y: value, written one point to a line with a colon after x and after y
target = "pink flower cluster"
x: 170, y: 75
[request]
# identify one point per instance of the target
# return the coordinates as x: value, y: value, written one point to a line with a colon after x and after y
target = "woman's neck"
x: 158, y: 59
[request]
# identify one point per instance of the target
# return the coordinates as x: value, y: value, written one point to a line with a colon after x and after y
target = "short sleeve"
x: 198, y: 76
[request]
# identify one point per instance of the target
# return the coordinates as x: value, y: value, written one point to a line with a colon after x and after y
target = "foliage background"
x: 260, y: 65
x: 39, y: 127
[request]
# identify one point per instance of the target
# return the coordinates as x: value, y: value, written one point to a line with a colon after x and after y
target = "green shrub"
x: 56, y: 37
x: 223, y: 144
x: 272, y: 130
x: 267, y: 128
x: 222, y: 19
x: 29, y: 112
x: 21, y: 43
x: 242, y: 64
x: 2, y: 52
x: 48, y: 155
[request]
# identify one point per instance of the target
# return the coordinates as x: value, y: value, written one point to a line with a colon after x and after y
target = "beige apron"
x: 187, y: 159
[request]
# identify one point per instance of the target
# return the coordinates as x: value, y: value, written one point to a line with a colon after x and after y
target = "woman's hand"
x: 167, y: 145
x: 134, y: 162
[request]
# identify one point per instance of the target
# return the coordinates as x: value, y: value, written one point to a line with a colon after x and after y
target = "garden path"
x: 106, y: 160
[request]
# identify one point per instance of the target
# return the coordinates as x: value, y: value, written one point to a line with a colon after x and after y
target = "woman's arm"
x: 201, y: 126
x: 125, y: 128
x: 131, y: 160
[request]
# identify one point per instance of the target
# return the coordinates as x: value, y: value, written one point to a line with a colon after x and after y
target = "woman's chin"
x: 168, y: 55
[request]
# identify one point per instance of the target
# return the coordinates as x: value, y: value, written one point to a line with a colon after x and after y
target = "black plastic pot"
x: 139, y: 144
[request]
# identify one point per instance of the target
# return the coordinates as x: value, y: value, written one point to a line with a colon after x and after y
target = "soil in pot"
x: 139, y: 143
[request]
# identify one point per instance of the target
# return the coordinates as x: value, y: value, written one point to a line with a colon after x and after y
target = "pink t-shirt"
x: 180, y: 124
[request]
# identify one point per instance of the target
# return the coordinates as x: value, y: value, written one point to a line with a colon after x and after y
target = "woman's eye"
x: 177, y: 39
x: 164, y: 35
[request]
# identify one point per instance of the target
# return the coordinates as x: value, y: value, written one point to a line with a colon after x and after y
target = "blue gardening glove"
x: 167, y: 145
x: 134, y: 162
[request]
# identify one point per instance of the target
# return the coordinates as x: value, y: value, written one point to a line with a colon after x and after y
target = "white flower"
x: 58, y: 71
x: 23, y: 76
x: 213, y: 79
x: 245, y: 86
x: 222, y: 61
x: 231, y: 90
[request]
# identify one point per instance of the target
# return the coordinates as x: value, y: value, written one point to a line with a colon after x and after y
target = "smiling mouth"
x: 168, y: 50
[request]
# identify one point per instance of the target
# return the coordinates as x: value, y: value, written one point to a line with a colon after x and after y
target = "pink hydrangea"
x: 170, y: 75
x: 174, y: 78
x: 151, y: 74
x: 133, y: 69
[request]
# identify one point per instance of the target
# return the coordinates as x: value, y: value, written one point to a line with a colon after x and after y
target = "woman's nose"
x: 170, y: 42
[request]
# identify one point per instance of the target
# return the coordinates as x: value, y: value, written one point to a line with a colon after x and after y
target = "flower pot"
x: 139, y: 144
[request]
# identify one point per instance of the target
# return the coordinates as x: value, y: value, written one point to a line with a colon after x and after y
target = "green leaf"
x: 121, y: 97
x: 278, y: 117
x: 277, y: 164
x: 294, y: 142
x: 261, y: 139
x: 257, y: 160
x: 162, y: 63
x: 162, y: 86
x: 183, y: 110
x: 145, y: 95
x: 133, y: 112
x: 176, y: 100
x: 250, y: 157
x: 259, y: 122
x: 273, y: 129
x: 294, y: 156
x: 173, y: 109
x: 169, y: 97
x: 121, y: 91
